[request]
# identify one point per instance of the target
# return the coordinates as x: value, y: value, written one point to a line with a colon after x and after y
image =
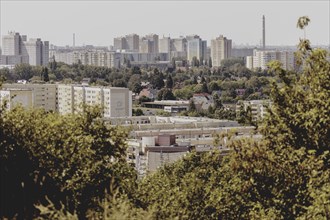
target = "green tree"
x: 210, y: 62
x: 45, y: 75
x: 70, y: 159
x: 195, y: 62
x: 52, y: 64
x: 173, y: 63
x: 24, y: 71
x: 136, y: 70
x: 244, y: 116
x: 169, y: 82
x: 204, y: 88
x: 157, y: 79
x: 217, y: 101
x: 192, y: 106
x: 184, y: 93
x: 165, y: 94
x: 283, y: 176
x: 137, y: 112
x: 134, y: 83
x: 119, y: 83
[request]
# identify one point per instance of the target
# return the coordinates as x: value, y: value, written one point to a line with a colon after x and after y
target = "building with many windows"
x: 194, y: 49
x: 221, y: 48
x: 14, y: 97
x: 43, y: 95
x: 165, y: 45
x: 258, y: 108
x: 261, y: 58
x: 153, y: 43
x: 70, y: 99
x: 17, y: 50
x: 128, y: 43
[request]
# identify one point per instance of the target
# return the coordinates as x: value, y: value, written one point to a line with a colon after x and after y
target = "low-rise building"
x: 70, y: 99
x: 258, y: 108
x: 202, y: 101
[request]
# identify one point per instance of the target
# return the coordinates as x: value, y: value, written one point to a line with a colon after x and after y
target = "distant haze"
x: 98, y: 22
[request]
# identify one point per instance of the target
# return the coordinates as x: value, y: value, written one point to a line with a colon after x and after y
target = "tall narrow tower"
x: 74, y: 40
x: 263, y: 33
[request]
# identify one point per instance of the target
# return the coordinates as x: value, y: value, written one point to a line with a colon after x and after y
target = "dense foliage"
x: 71, y: 160
x: 72, y: 167
x: 284, y: 176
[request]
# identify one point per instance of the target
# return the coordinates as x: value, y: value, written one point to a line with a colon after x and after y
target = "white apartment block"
x: 287, y: 59
x: 94, y: 58
x: 11, y: 44
x: 43, y: 95
x: 261, y: 58
x: 79, y: 99
x: 249, y: 62
x: 165, y: 45
x: 258, y: 108
x: 65, y: 99
x: 194, y: 49
x: 154, y: 38
x: 70, y: 99
x: 17, y: 50
x: 221, y: 48
x: 62, y: 56
x: 179, y: 44
x: 117, y: 102
x: 13, y: 97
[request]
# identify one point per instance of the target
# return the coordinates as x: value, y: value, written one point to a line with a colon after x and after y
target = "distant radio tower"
x: 74, y: 40
x: 263, y: 33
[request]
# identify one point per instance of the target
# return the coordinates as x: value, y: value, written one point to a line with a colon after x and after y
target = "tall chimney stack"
x: 74, y: 40
x: 263, y: 33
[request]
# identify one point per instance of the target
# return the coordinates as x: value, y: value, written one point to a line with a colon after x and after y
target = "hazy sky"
x: 98, y: 22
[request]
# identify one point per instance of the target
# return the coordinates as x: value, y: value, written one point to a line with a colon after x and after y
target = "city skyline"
x: 98, y: 23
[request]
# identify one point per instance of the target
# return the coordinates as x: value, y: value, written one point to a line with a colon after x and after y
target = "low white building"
x: 258, y: 108
x: 69, y: 99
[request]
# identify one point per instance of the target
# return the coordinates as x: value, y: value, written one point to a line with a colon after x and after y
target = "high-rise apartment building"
x: 220, y: 49
x: 154, y: 39
x: 16, y: 50
x: 179, y: 44
x: 133, y: 41
x: 165, y: 45
x: 119, y: 43
x: 37, y: 51
x: 146, y: 46
x: 194, y: 49
x: 204, y: 52
x: 129, y: 43
x: 179, y: 47
x: 12, y: 44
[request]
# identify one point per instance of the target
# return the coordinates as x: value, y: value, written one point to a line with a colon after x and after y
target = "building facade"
x: 261, y: 58
x: 221, y: 48
x: 17, y: 50
x: 43, y: 95
x: 258, y: 108
x: 71, y: 99
x: 165, y: 45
